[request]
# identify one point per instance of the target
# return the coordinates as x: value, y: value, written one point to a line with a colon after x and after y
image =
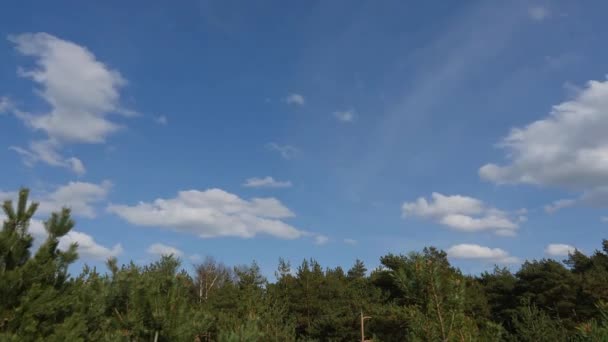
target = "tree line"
x: 417, y: 296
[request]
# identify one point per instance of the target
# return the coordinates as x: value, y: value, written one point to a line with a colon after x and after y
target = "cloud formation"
x: 81, y: 92
x: 5, y: 105
x: 473, y: 251
x: 286, y: 151
x: 559, y: 204
x: 78, y: 196
x: 351, y: 242
x: 538, y: 13
x: 461, y: 213
x: 345, y: 116
x: 568, y: 150
x: 212, y: 213
x: 295, y: 99
x: 161, y: 120
x: 160, y: 249
x: 321, y: 239
x: 266, y: 182
x: 46, y: 151
x: 88, y: 248
x: 559, y: 250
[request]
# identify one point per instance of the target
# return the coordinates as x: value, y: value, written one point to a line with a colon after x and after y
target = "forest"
x: 415, y: 296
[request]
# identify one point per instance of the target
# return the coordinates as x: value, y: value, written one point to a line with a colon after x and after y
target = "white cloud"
x: 559, y: 249
x: 321, y: 239
x: 345, y: 116
x: 6, y: 105
x: 567, y: 150
x: 161, y: 249
x: 46, y: 151
x: 538, y: 13
x: 473, y: 251
x: 604, y: 218
x: 351, y: 242
x: 295, y: 99
x: 559, y: 204
x: 266, y: 182
x: 461, y: 213
x: 161, y: 120
x: 87, y: 247
x: 286, y: 151
x: 78, y: 196
x: 37, y: 230
x: 80, y: 90
x: 212, y: 213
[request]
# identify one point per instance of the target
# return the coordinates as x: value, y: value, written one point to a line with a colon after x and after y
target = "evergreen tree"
x: 414, y: 297
x: 550, y: 286
x: 498, y: 289
x: 358, y: 270
x: 534, y: 325
x: 34, y: 288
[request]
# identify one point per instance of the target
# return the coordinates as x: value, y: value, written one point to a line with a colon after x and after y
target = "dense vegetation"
x: 413, y: 297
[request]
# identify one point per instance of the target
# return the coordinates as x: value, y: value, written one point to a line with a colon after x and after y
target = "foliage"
x: 411, y: 297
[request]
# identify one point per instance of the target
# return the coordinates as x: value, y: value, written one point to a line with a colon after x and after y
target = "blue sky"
x: 335, y: 130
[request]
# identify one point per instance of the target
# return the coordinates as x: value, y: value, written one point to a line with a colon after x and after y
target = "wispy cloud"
x: 346, y: 116
x: 559, y: 204
x: 161, y: 120
x: 295, y: 99
x: 6, y: 104
x: 351, y: 242
x: 538, y: 13
x: 46, y: 151
x: 266, y: 182
x: 321, y: 239
x: 160, y: 249
x: 562, y: 60
x: 286, y: 151
x: 466, y: 44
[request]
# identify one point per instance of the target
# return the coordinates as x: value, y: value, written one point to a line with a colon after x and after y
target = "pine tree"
x: 358, y: 270
x: 34, y: 289
x: 432, y: 293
